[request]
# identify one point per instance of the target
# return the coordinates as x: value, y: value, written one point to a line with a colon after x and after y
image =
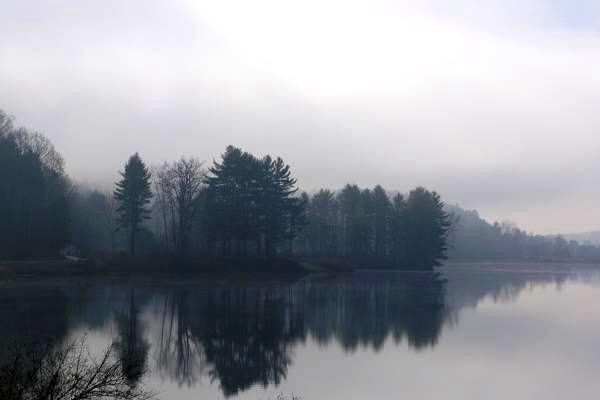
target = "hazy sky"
x: 495, y: 104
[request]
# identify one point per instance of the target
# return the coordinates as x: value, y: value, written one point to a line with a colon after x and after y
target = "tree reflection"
x: 237, y: 336
x: 179, y: 352
x: 249, y: 338
x: 31, y: 315
x: 244, y: 336
x: 131, y: 345
x: 366, y: 309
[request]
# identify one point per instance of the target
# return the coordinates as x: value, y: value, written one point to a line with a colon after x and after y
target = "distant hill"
x: 593, y: 237
x: 474, y: 238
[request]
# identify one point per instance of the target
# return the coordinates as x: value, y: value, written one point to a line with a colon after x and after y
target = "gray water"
x: 470, y: 332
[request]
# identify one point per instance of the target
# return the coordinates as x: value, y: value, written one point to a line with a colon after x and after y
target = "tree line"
x: 476, y: 239
x: 246, y: 206
x: 34, y: 193
x: 241, y: 206
x: 374, y: 228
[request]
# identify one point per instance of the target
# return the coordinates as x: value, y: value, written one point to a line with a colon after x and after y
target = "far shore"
x: 154, y: 266
x: 240, y: 268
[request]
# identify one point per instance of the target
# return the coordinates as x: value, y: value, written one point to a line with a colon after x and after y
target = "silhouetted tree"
x: 381, y: 221
x: 427, y: 224
x: 178, y: 188
x: 251, y: 199
x: 228, y: 197
x: 34, y: 194
x: 350, y: 208
x: 367, y: 229
x: 398, y: 227
x: 296, y: 218
x: 133, y: 194
x: 277, y: 188
x: 323, y: 228
x: 65, y: 372
x: 131, y: 346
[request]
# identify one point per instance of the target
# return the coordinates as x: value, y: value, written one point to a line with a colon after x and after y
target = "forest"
x: 241, y: 207
x: 473, y: 238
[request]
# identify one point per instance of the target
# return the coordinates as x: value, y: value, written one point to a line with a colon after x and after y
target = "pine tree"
x: 427, y: 226
x: 133, y: 194
x: 252, y: 199
x: 280, y: 189
x: 231, y: 192
x: 296, y: 218
x: 350, y: 208
x: 381, y: 221
x: 398, y: 230
x: 323, y: 225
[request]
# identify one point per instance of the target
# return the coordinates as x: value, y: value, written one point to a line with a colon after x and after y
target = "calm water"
x: 472, y: 332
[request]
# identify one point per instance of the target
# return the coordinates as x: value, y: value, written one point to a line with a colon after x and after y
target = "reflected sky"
x: 470, y: 332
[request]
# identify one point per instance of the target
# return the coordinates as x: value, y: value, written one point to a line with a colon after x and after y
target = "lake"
x: 471, y: 331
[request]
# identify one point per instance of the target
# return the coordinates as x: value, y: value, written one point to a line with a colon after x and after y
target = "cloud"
x: 494, y: 105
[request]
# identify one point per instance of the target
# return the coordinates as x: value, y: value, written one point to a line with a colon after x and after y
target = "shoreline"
x: 236, y: 269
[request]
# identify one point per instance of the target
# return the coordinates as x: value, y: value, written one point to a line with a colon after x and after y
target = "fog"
x: 494, y: 105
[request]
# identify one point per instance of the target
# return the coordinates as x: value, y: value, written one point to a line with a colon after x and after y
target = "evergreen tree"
x: 278, y: 188
x: 427, y: 226
x: 366, y: 234
x: 350, y: 208
x: 398, y: 230
x: 133, y: 194
x: 296, y: 218
x: 381, y: 221
x: 323, y: 225
x: 252, y: 199
x: 231, y: 198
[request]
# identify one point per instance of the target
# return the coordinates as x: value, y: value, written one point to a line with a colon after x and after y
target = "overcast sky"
x: 495, y: 104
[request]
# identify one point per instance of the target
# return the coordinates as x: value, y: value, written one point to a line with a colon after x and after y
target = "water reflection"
x: 243, y: 335
x: 131, y: 346
x: 31, y: 314
x: 179, y: 354
x: 365, y: 311
x: 236, y: 336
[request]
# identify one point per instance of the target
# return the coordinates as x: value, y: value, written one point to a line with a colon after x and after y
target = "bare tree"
x: 66, y: 373
x: 178, y: 186
x: 165, y: 203
x: 41, y: 147
x: 187, y: 181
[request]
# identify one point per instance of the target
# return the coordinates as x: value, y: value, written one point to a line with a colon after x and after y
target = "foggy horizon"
x: 490, y: 105
x: 273, y: 199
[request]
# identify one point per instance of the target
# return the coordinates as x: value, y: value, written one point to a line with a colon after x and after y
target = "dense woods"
x: 240, y: 206
x: 245, y: 206
x: 34, y: 193
x: 473, y: 238
x: 373, y: 229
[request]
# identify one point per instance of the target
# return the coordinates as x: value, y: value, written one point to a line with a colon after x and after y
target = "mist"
x: 492, y: 106
x: 318, y: 199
